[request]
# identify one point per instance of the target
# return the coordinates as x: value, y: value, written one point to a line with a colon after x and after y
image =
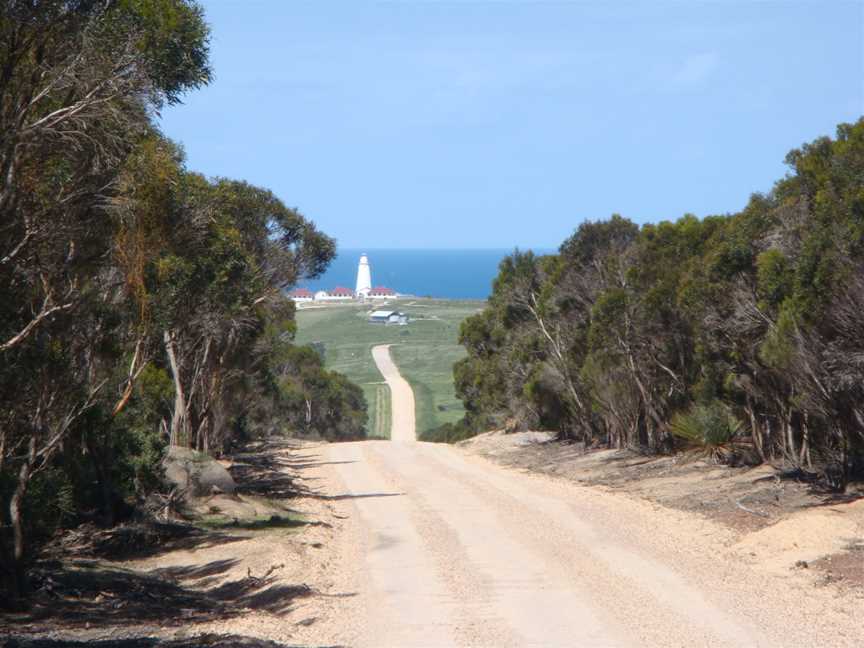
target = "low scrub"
x: 448, y: 433
x: 712, y: 428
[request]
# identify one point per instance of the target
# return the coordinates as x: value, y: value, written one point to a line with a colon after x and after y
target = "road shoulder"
x: 784, y: 524
x: 268, y: 567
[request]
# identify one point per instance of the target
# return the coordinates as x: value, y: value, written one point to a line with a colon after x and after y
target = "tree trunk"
x: 178, y: 435
x: 100, y: 454
x: 755, y: 430
x: 202, y: 436
x: 558, y: 356
x: 651, y: 415
x: 805, y: 444
x: 17, y: 522
x: 768, y: 434
x: 790, y: 435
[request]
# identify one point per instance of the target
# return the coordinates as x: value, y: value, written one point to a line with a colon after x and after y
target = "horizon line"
x: 448, y: 249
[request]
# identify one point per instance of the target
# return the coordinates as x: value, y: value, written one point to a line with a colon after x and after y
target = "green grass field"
x: 425, y: 351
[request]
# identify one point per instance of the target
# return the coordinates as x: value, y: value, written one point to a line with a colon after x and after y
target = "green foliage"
x: 711, y: 427
x: 135, y: 437
x: 448, y: 433
x: 592, y: 239
x: 773, y: 277
x: 51, y: 502
x: 607, y: 316
x: 778, y: 347
x: 173, y: 44
x: 317, y: 402
x: 140, y: 303
x: 756, y: 316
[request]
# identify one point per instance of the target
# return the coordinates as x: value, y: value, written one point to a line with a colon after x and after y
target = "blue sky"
x: 501, y: 124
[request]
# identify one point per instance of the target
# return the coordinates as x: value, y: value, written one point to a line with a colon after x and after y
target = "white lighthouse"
x: 364, y: 278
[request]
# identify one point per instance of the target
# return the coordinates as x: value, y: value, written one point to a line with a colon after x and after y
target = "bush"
x: 449, y: 433
x: 712, y: 428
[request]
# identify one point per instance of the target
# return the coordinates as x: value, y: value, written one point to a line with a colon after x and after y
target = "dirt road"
x: 402, y: 396
x: 451, y: 550
x: 414, y: 544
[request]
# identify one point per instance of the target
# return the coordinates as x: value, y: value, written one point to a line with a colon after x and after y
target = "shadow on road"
x: 75, y: 590
x: 82, y: 593
x: 208, y: 640
x: 355, y: 496
x: 136, y: 540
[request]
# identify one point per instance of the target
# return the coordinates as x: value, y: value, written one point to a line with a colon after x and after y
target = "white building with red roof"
x: 301, y: 295
x: 342, y: 294
x: 381, y: 292
x: 339, y: 293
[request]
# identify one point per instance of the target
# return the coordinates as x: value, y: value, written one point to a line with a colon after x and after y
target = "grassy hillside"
x: 425, y: 351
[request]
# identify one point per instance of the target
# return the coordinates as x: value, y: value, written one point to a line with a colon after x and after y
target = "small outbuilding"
x: 381, y: 316
x: 388, y: 317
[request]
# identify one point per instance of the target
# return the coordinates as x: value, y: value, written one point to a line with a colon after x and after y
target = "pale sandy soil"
x: 455, y: 550
x: 433, y: 545
x: 777, y: 522
x: 315, y: 556
x: 295, y: 585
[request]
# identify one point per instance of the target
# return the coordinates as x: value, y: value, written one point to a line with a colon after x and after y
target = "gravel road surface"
x: 402, y: 396
x: 452, y: 550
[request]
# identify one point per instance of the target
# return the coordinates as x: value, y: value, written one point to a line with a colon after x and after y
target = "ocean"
x: 446, y: 274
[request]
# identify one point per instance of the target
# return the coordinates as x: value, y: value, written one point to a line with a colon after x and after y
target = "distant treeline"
x: 140, y: 304
x: 741, y: 330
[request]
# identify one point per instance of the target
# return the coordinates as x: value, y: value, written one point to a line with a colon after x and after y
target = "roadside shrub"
x: 448, y: 433
x: 711, y: 428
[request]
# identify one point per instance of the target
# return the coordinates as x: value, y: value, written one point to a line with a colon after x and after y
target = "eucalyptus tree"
x: 755, y: 316
x: 140, y: 304
x: 78, y: 81
x: 318, y: 402
x: 217, y: 285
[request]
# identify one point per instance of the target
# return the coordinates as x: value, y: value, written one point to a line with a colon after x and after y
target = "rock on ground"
x: 196, y: 473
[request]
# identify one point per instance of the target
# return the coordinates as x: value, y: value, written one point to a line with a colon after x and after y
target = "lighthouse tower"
x: 364, y: 278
